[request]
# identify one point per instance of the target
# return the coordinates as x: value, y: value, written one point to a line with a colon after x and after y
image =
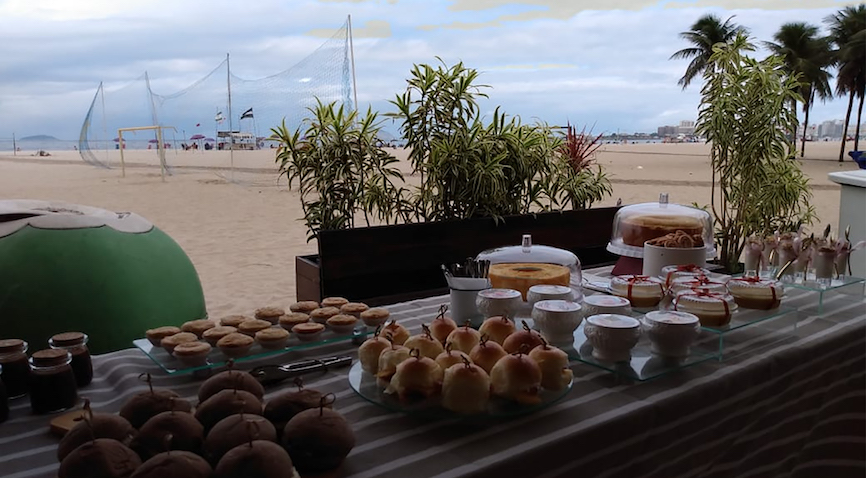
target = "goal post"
x: 160, y: 146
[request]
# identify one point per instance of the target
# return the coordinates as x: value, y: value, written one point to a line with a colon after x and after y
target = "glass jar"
x: 16, y: 370
x: 4, y: 400
x: 52, y: 381
x: 76, y: 344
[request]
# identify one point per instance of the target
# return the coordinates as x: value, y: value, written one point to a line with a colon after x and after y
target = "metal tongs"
x: 272, y: 374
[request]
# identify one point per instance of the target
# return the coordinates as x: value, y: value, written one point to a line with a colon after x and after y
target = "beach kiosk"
x: 239, y: 140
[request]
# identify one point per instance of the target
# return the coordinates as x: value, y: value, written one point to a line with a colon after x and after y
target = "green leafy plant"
x: 745, y: 113
x: 578, y: 184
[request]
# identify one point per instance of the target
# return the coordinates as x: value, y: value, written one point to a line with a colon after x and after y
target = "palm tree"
x: 704, y: 33
x: 807, y: 56
x: 848, y: 33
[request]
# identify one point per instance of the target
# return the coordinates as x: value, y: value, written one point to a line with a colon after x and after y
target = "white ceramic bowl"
x: 671, y: 333
x: 605, y: 304
x: 612, y: 336
x: 494, y: 302
x: 549, y: 292
x: 557, y: 320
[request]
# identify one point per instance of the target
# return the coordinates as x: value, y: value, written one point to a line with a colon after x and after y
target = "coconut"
x: 235, y: 430
x: 225, y: 403
x: 169, y: 431
x: 230, y: 380
x: 318, y: 439
x: 257, y: 459
x: 174, y: 464
x: 102, y: 425
x: 143, y: 406
x: 99, y: 458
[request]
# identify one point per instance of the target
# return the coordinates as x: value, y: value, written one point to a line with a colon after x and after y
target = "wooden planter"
x: 387, y: 264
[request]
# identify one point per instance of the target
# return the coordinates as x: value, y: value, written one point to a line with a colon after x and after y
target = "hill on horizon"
x: 39, y: 137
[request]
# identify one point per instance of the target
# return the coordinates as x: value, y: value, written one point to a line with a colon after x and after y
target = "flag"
x: 219, y: 117
x: 197, y: 125
x: 247, y: 114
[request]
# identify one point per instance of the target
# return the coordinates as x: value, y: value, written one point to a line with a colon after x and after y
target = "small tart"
x: 250, y: 327
x: 272, y: 338
x: 172, y: 341
x: 756, y: 293
x: 198, y: 326
x: 334, y: 302
x: 215, y: 334
x: 375, y: 317
x: 354, y: 308
x: 322, y: 314
x: 192, y: 354
x: 342, y: 323
x: 292, y: 319
x: 271, y: 314
x: 641, y: 291
x: 235, y: 345
x: 308, y: 331
x: 156, y: 335
x: 305, y: 306
x: 234, y: 320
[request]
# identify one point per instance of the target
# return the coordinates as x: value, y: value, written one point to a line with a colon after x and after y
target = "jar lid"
x: 671, y: 317
x: 557, y: 306
x: 50, y: 357
x: 606, y: 301
x: 549, y: 289
x: 613, y: 321
x: 8, y: 346
x: 499, y: 294
x: 67, y: 339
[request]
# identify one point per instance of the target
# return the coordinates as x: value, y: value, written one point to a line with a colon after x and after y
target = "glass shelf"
x: 811, y: 284
x: 171, y: 365
x: 368, y: 386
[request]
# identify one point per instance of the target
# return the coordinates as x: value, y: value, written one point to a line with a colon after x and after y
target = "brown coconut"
x: 318, y: 439
x: 187, y: 434
x: 257, y: 459
x: 225, y: 403
x: 174, y: 464
x: 235, y: 430
x: 99, y: 458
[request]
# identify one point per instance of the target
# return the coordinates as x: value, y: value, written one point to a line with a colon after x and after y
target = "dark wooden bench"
x: 387, y: 264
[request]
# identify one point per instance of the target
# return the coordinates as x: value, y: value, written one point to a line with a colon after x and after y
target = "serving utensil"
x: 272, y: 374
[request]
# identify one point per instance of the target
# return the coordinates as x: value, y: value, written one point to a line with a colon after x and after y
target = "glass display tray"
x: 368, y: 387
x: 216, y: 358
x: 811, y: 284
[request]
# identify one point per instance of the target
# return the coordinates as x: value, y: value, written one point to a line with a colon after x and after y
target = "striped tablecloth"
x: 785, y: 402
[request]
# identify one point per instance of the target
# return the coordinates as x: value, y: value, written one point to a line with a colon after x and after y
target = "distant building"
x: 667, y: 130
x: 831, y: 129
x: 686, y: 128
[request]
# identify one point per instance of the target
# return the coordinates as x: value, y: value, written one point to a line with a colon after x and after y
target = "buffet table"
x: 786, y: 401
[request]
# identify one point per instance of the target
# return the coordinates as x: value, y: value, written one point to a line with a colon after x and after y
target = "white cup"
x: 605, y: 304
x: 548, y: 292
x: 557, y: 320
x: 612, y: 336
x: 671, y: 333
x: 494, y: 302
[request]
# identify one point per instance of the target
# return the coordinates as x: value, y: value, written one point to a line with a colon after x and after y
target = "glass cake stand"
x: 842, y: 284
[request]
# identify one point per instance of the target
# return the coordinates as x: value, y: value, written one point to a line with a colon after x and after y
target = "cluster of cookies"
x: 270, y: 328
x: 679, y: 239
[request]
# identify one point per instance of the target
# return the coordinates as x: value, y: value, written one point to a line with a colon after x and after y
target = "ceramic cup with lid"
x: 548, y: 292
x: 605, y: 304
x: 671, y: 333
x: 494, y: 302
x: 557, y: 320
x: 612, y: 336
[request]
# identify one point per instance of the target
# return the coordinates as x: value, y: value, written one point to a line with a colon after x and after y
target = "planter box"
x: 387, y: 264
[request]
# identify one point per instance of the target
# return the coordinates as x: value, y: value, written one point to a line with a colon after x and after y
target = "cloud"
x: 371, y: 29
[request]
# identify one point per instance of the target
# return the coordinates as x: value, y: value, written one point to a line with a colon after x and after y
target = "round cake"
x: 696, y: 282
x: 756, y: 293
x: 520, y: 276
x: 712, y: 308
x: 638, y: 229
x: 641, y: 291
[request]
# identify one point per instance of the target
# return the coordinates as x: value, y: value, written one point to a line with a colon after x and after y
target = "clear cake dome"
x: 635, y: 224
x: 523, y: 257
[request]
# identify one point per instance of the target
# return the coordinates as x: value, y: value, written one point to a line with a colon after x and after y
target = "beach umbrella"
x: 153, y: 141
x: 196, y: 137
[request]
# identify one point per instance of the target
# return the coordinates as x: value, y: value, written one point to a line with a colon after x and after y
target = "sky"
x: 604, y: 64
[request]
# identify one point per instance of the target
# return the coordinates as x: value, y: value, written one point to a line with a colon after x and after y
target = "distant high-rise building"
x: 686, y: 128
x: 667, y: 130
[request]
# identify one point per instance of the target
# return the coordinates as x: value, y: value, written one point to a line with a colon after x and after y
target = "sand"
x: 242, y: 230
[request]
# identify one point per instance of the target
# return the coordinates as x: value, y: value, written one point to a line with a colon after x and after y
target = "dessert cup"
x: 605, y: 304
x: 557, y: 320
x: 548, y: 292
x: 494, y: 302
x: 671, y: 333
x: 612, y: 336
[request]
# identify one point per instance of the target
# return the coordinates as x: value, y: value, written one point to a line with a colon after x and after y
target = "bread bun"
x: 516, y: 377
x: 369, y: 351
x: 522, y: 340
x: 486, y: 354
x: 389, y: 359
x: 425, y: 343
x: 442, y: 326
x: 398, y: 333
x: 463, y: 339
x: 99, y: 458
x: 465, y: 388
x: 416, y: 376
x: 451, y: 357
x: 498, y: 328
x: 174, y: 464
x: 553, y: 363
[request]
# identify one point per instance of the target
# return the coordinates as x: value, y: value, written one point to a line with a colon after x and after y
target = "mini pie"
x: 334, y: 302
x: 271, y: 314
x: 250, y: 327
x: 198, y: 326
x: 305, y: 306
x: 272, y: 338
x: 172, y: 341
x: 756, y: 293
x: 309, y: 331
x: 233, y: 320
x: 215, y: 334
x: 342, y: 323
x: 375, y: 317
x: 641, y: 291
x: 712, y: 308
x: 192, y: 354
x: 235, y: 345
x: 323, y: 314
x: 354, y: 308
x: 292, y: 319
x: 156, y: 335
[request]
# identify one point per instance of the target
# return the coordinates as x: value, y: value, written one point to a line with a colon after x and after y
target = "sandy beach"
x: 242, y: 227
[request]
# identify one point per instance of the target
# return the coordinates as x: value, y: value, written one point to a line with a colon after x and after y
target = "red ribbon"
x: 705, y: 293
x: 635, y: 279
x: 758, y: 280
x: 683, y: 268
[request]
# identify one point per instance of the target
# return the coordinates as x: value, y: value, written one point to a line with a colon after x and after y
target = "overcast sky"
x: 584, y: 61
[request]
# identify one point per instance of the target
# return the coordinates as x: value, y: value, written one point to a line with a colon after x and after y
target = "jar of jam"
x: 16, y: 370
x: 4, y: 400
x: 76, y: 344
x: 52, y: 382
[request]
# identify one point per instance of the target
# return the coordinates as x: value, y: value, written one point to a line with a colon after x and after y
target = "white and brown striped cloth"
x: 785, y: 402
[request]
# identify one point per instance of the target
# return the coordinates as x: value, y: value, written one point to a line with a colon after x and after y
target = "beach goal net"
x: 218, y: 111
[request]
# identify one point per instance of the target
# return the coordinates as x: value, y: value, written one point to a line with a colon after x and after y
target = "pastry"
x: 230, y: 380
x: 212, y: 336
x: 304, y: 306
x: 187, y: 434
x: 271, y: 314
x: 636, y: 230
x: 669, y: 273
x: 272, y: 338
x: 322, y: 315
x: 755, y: 293
x: 463, y: 338
x: 369, y: 351
x: 334, y: 302
x: 353, y: 308
x: 497, y: 328
x: 416, y: 376
x: 342, y: 324
x: 375, y: 317
x: 553, y: 363
x: 235, y: 345
x: 198, y: 326
x: 389, y: 359
x: 235, y: 430
x: 96, y: 425
x: 522, y: 340
x: 712, y: 308
x: 612, y: 336
x: 292, y: 319
x: 156, y: 335
x: 318, y: 440
x: 678, y: 239
x: 250, y: 327
x: 441, y: 326
x: 174, y: 464
x: 98, y: 458
x: 451, y: 357
x: 696, y: 282
x: 256, y: 459
x: 172, y: 341
x: 397, y: 332
x: 486, y: 354
x: 425, y: 343
x: 521, y: 276
x: 234, y: 320
x: 192, y: 354
x: 282, y: 408
x: 465, y: 388
x: 308, y: 331
x: 225, y: 403
x: 516, y: 377
x: 641, y: 291
x: 139, y: 408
